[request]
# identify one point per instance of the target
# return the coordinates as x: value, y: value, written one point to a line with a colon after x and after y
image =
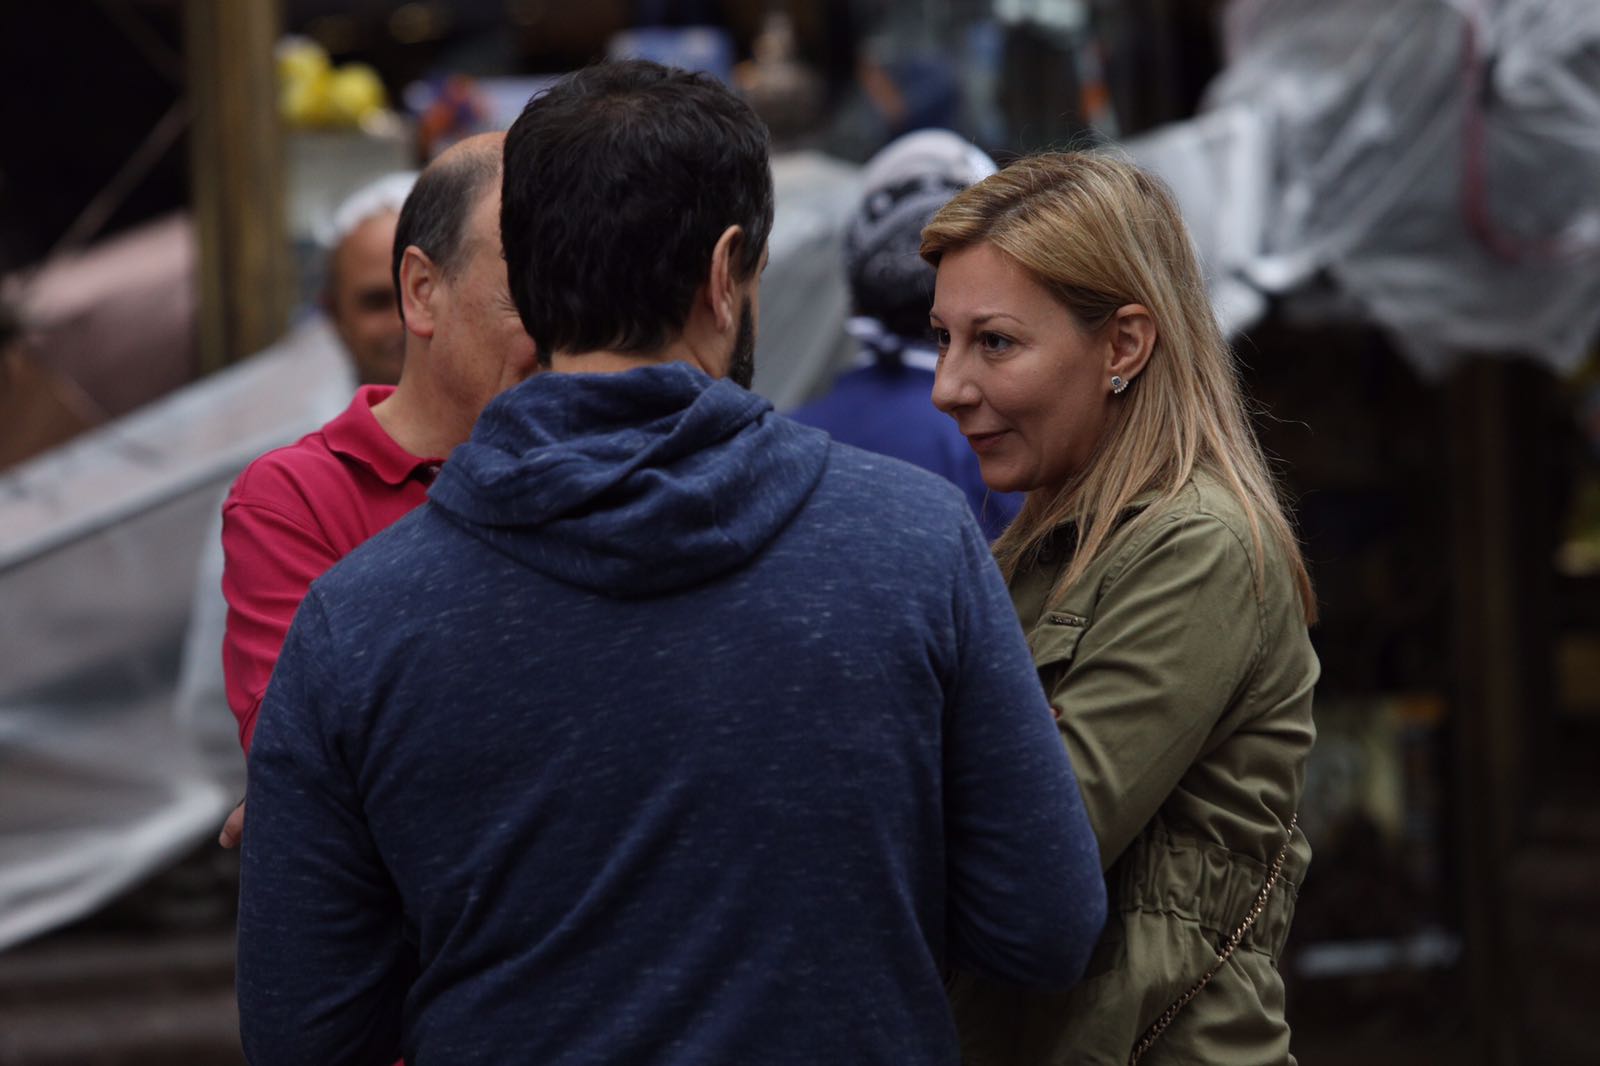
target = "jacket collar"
x: 1062, y: 541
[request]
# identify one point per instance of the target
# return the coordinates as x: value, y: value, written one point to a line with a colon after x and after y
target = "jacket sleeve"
x: 270, y: 559
x: 1175, y: 636
x: 323, y: 964
x: 1026, y: 898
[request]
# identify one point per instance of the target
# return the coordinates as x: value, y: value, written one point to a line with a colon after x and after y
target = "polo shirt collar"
x: 357, y: 435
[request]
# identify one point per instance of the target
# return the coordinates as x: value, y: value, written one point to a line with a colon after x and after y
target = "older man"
x: 297, y: 510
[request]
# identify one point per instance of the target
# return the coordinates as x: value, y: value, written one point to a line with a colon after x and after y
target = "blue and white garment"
x: 886, y: 406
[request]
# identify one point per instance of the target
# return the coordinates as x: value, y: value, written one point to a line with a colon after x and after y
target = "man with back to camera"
x: 296, y: 511
x: 669, y: 731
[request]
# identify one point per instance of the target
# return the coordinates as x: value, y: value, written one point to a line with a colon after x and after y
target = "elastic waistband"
x: 1166, y: 873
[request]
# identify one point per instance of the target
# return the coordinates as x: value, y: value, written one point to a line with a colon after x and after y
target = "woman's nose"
x: 951, y: 388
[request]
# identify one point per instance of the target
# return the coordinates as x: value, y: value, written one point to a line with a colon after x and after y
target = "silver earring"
x: 1118, y: 385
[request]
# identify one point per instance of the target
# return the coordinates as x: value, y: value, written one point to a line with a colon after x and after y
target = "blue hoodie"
x: 668, y: 732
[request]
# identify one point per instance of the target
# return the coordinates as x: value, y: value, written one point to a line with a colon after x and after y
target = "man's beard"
x: 742, y: 366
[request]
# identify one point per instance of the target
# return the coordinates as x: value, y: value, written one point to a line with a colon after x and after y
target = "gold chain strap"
x: 1152, y: 1034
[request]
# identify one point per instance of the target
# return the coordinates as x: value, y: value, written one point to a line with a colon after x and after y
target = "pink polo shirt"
x: 290, y: 516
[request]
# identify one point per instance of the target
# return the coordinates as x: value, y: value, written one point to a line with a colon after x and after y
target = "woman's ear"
x: 1132, y: 336
x: 419, y: 278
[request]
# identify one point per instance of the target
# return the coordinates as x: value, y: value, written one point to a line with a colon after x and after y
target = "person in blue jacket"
x: 884, y: 404
x: 668, y: 731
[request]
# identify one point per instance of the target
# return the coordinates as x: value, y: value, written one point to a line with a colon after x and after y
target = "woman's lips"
x: 984, y: 442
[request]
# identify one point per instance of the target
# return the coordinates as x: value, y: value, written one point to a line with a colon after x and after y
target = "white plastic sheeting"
x: 1216, y: 167
x: 1436, y: 161
x: 117, y: 750
x: 101, y: 783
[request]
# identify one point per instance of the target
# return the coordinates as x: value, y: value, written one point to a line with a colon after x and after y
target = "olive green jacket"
x: 1183, y: 685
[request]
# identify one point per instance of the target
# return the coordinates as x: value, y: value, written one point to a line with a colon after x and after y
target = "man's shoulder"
x: 881, y: 501
x: 288, y: 474
x: 891, y: 482
x: 388, y: 562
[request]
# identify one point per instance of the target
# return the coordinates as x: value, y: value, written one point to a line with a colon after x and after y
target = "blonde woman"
x: 1164, y: 596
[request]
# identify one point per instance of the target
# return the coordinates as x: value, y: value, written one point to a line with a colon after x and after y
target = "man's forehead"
x: 365, y: 250
x: 376, y: 230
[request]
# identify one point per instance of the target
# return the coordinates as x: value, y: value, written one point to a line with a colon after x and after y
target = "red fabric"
x: 290, y: 516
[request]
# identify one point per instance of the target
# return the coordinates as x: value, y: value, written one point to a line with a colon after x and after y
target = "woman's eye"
x: 941, y: 337
x: 993, y: 343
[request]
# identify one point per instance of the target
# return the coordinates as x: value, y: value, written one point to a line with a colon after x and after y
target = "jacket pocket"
x: 1054, y: 639
x: 1054, y: 642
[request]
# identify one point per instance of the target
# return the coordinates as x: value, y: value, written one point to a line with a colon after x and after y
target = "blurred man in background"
x: 885, y: 405
x: 358, y: 294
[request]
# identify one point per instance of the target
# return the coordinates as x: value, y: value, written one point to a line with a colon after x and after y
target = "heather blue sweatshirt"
x: 668, y: 732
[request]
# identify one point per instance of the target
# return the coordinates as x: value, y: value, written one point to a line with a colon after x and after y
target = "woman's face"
x: 1028, y: 385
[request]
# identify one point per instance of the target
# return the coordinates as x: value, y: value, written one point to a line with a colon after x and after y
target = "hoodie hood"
x: 630, y: 484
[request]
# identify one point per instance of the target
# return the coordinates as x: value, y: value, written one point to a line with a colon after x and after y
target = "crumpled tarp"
x: 101, y: 783
x: 1435, y: 162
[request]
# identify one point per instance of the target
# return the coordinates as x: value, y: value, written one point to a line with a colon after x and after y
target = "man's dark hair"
x: 434, y: 216
x: 618, y: 182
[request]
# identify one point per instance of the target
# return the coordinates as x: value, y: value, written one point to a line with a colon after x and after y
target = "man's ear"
x: 1131, y: 334
x: 722, y: 286
x: 419, y: 281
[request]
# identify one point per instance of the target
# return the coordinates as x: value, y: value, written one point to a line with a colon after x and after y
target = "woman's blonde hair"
x: 1100, y: 234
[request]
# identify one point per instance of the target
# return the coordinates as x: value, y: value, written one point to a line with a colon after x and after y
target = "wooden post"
x: 1504, y: 622
x: 237, y: 170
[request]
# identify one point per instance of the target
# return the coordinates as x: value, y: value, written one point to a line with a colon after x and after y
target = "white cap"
x: 382, y: 196
x: 927, y: 154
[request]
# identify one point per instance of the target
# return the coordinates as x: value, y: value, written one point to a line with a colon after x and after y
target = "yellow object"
x: 304, y: 102
x: 355, y: 92
x: 312, y: 93
x: 301, y: 59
